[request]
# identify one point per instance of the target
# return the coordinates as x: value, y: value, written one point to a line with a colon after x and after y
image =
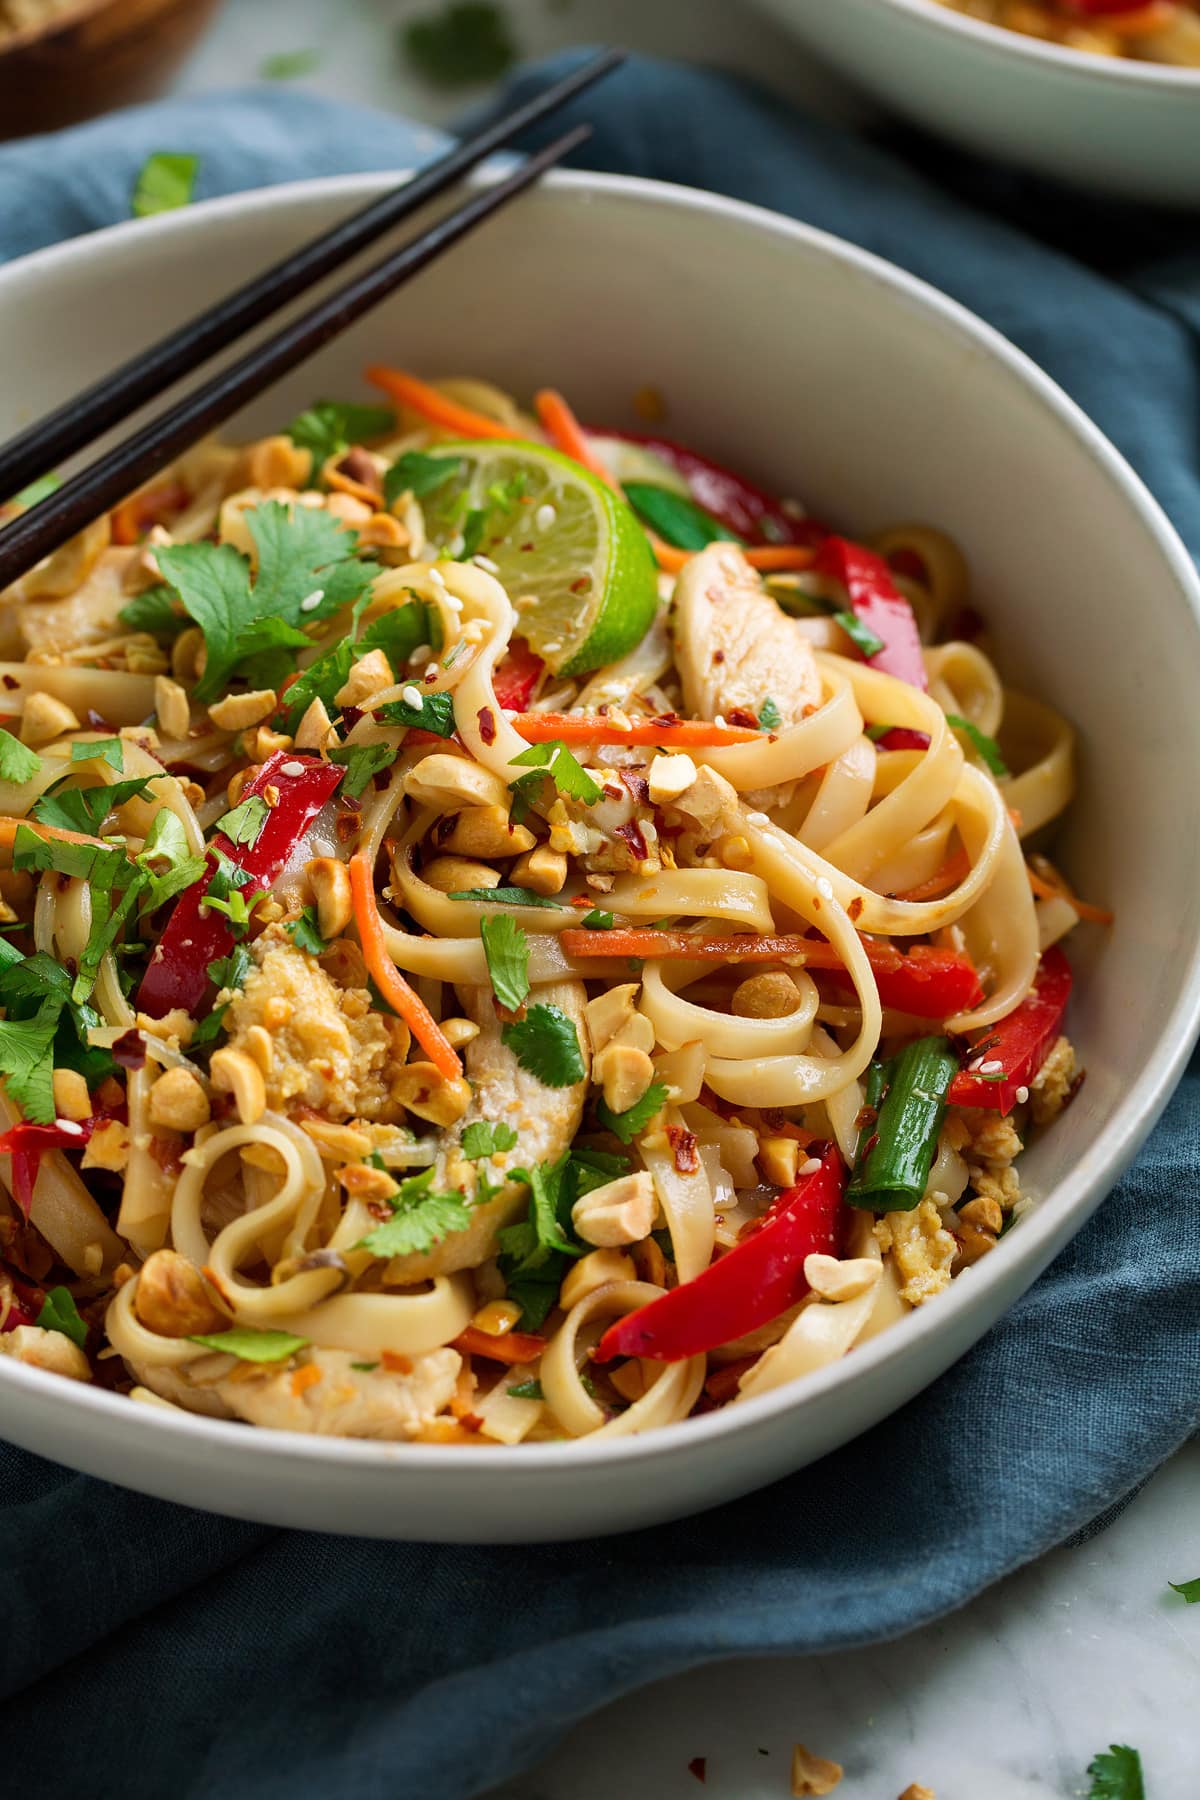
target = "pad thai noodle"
x: 508, y: 931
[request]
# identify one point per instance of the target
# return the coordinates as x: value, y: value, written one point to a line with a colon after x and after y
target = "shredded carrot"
x: 956, y: 868
x: 512, y: 1347
x: 387, y: 977
x: 815, y: 953
x: 779, y: 556
x: 667, y: 556
x: 594, y: 728
x: 567, y: 434
x: 438, y: 408
x: 306, y: 1377
x: 8, y: 834
x: 396, y: 1362
x: 1053, y: 887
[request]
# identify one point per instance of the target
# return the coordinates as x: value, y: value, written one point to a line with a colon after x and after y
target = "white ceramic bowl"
x: 1119, y: 126
x: 772, y: 343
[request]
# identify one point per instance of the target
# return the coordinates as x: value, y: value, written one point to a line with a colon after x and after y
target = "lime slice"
x: 557, y: 535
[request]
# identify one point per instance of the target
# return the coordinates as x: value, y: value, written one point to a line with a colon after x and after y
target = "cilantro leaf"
x: 224, y: 893
x: 435, y: 714
x: 85, y: 809
x: 251, y: 1345
x: 626, y: 1125
x: 167, y: 861
x: 595, y: 1168
x: 110, y: 750
x: 675, y: 517
x: 503, y: 896
x: 228, y: 973
x: 484, y: 1137
x: 420, y: 1220
x: 154, y: 611
x: 362, y: 762
x: 567, y: 774
x: 397, y: 633
x: 27, y: 1062
x: 333, y: 425
x: 597, y: 920
x: 472, y: 534
x: 165, y: 181
x: 101, y: 866
x: 1116, y: 1775
x: 469, y: 41
x: 304, y: 931
x: 288, y: 65
x: 546, y: 1043
x: 983, y: 745
x: 860, y: 635
x: 31, y: 984
x: 243, y: 823
x: 769, y: 715
x: 1189, y: 1589
x: 60, y: 1313
x: 536, y: 1252
x: 31, y: 980
x: 17, y: 762
x: 507, y: 951
x: 38, y: 490
x: 307, y: 570
x: 417, y: 474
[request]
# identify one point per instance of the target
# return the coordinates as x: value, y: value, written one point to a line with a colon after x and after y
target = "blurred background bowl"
x: 96, y: 55
x: 1111, y: 124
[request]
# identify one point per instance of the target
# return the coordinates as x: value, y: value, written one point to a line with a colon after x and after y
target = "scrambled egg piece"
x: 1051, y: 1086
x: 922, y: 1250
x: 989, y: 1145
x: 329, y: 1049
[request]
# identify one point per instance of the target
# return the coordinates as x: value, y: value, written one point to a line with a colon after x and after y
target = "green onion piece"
x: 895, y: 1154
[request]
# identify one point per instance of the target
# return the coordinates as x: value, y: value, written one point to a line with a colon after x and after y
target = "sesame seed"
x: 435, y: 575
x: 70, y: 1127
x: 991, y: 1068
x: 485, y: 563
x: 973, y: 1068
x: 719, y: 720
x: 757, y: 818
x: 810, y: 1167
x: 1022, y: 1095
x: 291, y: 768
x: 422, y: 653
x: 510, y: 712
x: 311, y: 601
x: 452, y: 604
x: 544, y: 517
x: 824, y: 887
x: 412, y: 696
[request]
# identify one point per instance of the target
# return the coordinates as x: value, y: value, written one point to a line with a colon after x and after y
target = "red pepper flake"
x: 666, y: 720
x: 637, y: 784
x: 855, y: 908
x: 10, y: 682
x: 167, y: 1153
x: 737, y: 715
x: 129, y: 1051
x: 684, y: 1149
x: 346, y: 825
x: 699, y: 1768
x: 487, y: 724
x: 631, y: 834
x: 581, y: 585
x: 350, y: 717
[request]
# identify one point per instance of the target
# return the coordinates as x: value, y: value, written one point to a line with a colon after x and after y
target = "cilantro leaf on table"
x: 469, y: 41
x: 110, y: 750
x: 1189, y: 1589
x: 626, y: 1125
x: 1116, y: 1775
x: 421, y: 1219
x: 251, y: 1345
x: 484, y: 1137
x: 435, y: 714
x: 546, y: 1043
x: 417, y: 474
x: 165, y: 181
x: 60, y: 1313
x: 304, y: 931
x: 986, y: 747
x: 362, y: 762
x: 85, y: 809
x: 307, y: 570
x: 154, y: 611
x: 333, y: 425
x: 18, y: 763
x: 507, y: 951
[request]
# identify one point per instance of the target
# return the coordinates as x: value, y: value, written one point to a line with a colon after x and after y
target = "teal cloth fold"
x: 146, y: 1649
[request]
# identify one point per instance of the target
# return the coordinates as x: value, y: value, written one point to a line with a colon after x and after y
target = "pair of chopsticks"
x: 104, y: 483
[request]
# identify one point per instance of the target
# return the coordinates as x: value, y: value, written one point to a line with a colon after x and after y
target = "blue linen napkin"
x: 150, y: 1650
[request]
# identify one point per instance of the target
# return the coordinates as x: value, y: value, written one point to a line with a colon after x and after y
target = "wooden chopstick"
x: 34, y: 534
x: 44, y: 444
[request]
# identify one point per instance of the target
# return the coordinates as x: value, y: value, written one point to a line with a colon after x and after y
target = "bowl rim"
x: 263, y: 1450
x: 931, y: 16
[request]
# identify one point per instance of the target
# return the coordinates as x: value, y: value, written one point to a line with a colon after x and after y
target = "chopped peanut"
x: 421, y: 1088
x: 594, y: 1271
x: 175, y: 1026
x: 984, y: 1213
x: 363, y: 1181
x: 769, y: 996
x: 541, y: 869
x: 624, y: 1073
x: 369, y: 675
x: 682, y: 1072
x: 915, y: 1791
x: 173, y: 1298
x: 336, y: 1140
x: 71, y: 1097
x: 609, y: 1011
x: 44, y: 719
x: 670, y: 776
x: 778, y: 1160
x: 233, y: 1072
x: 834, y: 1280
x: 813, y: 1774
x: 236, y: 711
x: 172, y: 706
x: 178, y: 1102
x: 108, y: 1147
x: 484, y: 831
x: 187, y: 654
x: 620, y: 1212
x: 329, y: 880
x: 314, y: 728
x: 497, y: 1317
x: 458, y: 1032
x: 1051, y: 1086
x: 264, y: 743
x: 256, y: 1041
x: 456, y: 874
x: 449, y: 782
x: 973, y: 1242
x: 278, y: 462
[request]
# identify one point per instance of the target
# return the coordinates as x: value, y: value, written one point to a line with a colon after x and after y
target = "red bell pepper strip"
x: 26, y: 1143
x: 876, y: 602
x: 901, y: 738
x: 1013, y: 1051
x: 924, y: 981
x: 514, y: 1347
x: 761, y: 1277
x: 734, y: 502
x: 516, y: 676
x: 196, y: 935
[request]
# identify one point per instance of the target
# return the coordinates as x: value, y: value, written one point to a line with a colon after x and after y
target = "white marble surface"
x: 1011, y: 1698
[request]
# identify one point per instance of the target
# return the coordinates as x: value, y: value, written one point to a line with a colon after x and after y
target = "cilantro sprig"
x: 567, y: 773
x: 984, y: 746
x: 1116, y: 1775
x: 536, y: 1252
x: 333, y: 425
x: 421, y: 1219
x: 506, y: 948
x: 628, y: 1124
x: 18, y: 763
x: 485, y: 1137
x: 418, y: 474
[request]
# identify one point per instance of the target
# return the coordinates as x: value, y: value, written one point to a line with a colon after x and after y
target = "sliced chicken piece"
x: 544, y: 1118
x: 734, y: 647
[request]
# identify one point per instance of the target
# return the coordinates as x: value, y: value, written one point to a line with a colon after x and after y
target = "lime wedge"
x: 558, y: 537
